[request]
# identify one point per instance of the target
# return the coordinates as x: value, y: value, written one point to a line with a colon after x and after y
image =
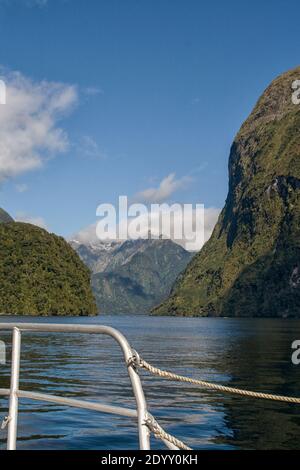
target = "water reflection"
x: 245, y: 353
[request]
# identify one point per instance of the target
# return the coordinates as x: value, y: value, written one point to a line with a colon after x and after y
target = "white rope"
x: 209, y: 385
x: 136, y: 362
x: 160, y: 433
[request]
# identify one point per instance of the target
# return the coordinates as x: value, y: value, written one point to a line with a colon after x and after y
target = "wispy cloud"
x: 27, y: 3
x: 39, y: 3
x: 29, y: 130
x: 93, y: 91
x: 168, y: 186
x: 23, y: 217
x: 89, y: 148
x: 21, y: 188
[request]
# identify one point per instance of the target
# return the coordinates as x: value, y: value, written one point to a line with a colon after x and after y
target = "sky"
x: 130, y: 97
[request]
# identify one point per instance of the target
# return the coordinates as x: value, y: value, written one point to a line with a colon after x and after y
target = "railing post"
x: 144, y: 434
x: 14, y: 388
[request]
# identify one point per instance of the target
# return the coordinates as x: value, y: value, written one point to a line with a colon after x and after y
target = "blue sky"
x: 151, y: 93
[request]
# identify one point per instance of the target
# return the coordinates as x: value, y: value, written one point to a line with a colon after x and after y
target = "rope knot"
x: 161, y: 434
x: 134, y: 361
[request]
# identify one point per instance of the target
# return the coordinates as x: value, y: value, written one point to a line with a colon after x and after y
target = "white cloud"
x: 23, y: 217
x: 164, y: 190
x: 211, y: 214
x: 179, y: 225
x: 29, y: 131
x: 86, y: 235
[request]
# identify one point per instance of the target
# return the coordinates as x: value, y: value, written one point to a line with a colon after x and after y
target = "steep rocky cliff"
x: 251, y: 264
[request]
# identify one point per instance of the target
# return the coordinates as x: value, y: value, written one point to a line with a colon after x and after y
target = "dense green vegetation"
x: 251, y: 264
x: 5, y: 217
x: 40, y: 274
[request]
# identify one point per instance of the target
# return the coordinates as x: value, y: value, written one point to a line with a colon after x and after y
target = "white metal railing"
x: 14, y: 393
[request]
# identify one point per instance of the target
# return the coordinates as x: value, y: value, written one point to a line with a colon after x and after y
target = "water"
x: 254, y: 354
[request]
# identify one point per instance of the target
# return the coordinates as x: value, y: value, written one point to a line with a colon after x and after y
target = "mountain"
x: 96, y: 256
x: 134, y: 275
x: 40, y: 274
x: 250, y: 267
x: 5, y: 217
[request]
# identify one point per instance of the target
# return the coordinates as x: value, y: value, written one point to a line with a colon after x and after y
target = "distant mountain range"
x: 132, y: 276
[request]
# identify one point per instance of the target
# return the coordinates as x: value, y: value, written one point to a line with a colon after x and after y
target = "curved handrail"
x: 15, y: 393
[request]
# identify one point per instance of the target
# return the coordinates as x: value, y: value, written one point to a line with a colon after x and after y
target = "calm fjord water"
x: 249, y: 353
